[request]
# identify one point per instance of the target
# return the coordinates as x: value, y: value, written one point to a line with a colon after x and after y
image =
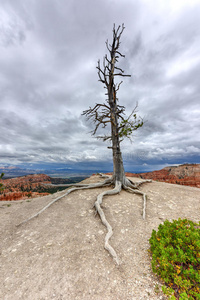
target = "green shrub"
x: 175, y: 250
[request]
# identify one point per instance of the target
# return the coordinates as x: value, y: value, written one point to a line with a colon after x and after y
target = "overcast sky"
x: 48, y: 55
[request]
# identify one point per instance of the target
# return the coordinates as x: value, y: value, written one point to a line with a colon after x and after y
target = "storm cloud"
x: 49, y: 53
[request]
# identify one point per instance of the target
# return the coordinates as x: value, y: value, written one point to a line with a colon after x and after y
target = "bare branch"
x: 95, y: 108
x: 117, y: 68
x: 120, y: 74
x: 104, y: 138
x: 118, y: 86
x: 122, y: 55
x: 111, y: 113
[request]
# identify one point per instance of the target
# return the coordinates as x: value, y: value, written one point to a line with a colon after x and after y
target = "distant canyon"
x: 30, y: 186
x: 187, y: 174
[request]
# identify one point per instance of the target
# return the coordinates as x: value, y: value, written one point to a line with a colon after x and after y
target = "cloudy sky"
x: 49, y: 52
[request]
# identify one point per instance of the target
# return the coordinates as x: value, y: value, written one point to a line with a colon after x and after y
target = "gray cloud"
x: 49, y: 51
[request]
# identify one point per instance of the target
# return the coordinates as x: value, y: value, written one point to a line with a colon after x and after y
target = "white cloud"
x: 49, y: 51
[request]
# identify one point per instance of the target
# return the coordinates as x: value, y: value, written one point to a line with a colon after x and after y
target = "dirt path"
x: 60, y: 254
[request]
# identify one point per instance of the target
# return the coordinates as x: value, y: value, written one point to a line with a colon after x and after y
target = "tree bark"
x: 118, y: 168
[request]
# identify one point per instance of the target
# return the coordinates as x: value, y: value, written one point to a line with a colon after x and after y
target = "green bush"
x: 175, y: 250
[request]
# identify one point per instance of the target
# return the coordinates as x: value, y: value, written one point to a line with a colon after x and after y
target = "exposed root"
x: 105, y: 176
x: 139, y: 183
x: 79, y: 187
x: 97, y: 205
x: 108, y: 181
x: 134, y: 185
x: 131, y: 190
x: 127, y: 184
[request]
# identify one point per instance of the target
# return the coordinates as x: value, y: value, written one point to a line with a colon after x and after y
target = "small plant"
x: 175, y: 250
x: 156, y: 289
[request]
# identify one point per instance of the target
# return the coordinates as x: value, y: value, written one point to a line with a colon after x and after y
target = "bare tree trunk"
x: 118, y: 168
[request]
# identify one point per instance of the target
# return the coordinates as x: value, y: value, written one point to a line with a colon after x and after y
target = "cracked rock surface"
x: 61, y: 255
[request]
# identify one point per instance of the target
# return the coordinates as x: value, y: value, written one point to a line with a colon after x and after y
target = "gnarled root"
x: 131, y: 190
x: 132, y: 187
x: 127, y: 184
x: 107, y: 181
x: 97, y: 205
x: 78, y: 187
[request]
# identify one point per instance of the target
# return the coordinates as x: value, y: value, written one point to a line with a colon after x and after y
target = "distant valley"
x: 15, y: 171
x: 30, y: 186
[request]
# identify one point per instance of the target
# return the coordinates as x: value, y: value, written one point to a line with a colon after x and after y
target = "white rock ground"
x: 61, y: 255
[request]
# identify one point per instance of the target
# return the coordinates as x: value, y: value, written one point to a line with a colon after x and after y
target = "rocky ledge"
x: 24, y: 187
x: 187, y: 174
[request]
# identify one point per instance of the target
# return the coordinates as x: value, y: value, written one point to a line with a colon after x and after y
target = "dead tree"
x: 111, y: 112
x: 121, y: 126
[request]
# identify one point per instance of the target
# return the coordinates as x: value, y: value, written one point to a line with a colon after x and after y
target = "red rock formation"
x: 188, y: 174
x: 20, y: 188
